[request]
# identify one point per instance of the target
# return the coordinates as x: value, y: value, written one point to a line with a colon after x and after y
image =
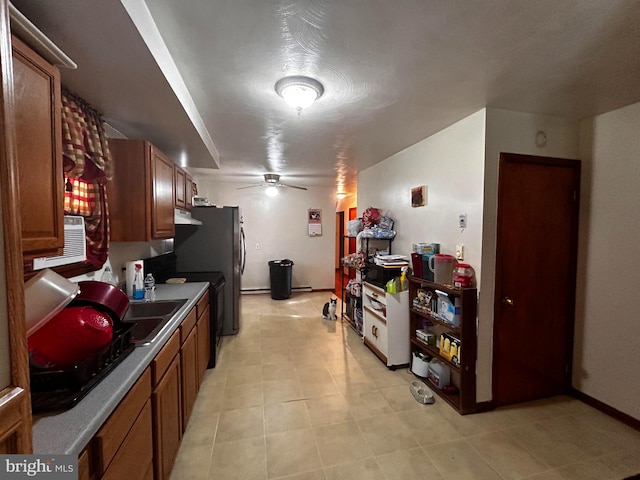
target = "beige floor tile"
x: 291, y: 453
x: 545, y: 446
x: 192, y: 463
x: 201, y: 430
x: 246, y: 459
x: 278, y: 371
x: 312, y: 475
x: 400, y: 398
x: 242, y: 396
x: 283, y: 417
x: 367, y: 469
x: 506, y: 457
x: 624, y: 463
x: 341, y: 443
x: 386, y: 434
x: 314, y: 403
x: 590, y: 470
x: 457, y: 460
x: 240, y: 423
x: 244, y: 374
x: 365, y: 404
x: 409, y: 464
x: 428, y: 426
x: 277, y: 391
x: 328, y: 410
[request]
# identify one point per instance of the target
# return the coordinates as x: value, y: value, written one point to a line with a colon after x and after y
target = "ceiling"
x: 197, y: 77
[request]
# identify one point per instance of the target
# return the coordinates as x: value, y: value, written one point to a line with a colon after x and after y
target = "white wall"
x: 459, y: 165
x: 606, y: 363
x: 511, y: 132
x: 450, y: 164
x: 279, y: 226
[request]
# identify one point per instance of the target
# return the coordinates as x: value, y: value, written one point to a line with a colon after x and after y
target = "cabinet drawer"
x: 116, y: 428
x: 375, y: 299
x: 136, y: 453
x: 375, y: 331
x: 187, y: 325
x: 202, y: 304
x: 165, y: 356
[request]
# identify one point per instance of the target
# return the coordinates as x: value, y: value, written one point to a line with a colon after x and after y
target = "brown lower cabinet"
x: 141, y: 438
x: 189, y: 365
x: 167, y: 406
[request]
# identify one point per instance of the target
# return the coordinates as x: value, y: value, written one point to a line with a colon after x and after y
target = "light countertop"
x: 69, y: 432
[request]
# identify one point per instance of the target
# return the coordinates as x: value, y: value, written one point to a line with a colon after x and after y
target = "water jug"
x: 442, y: 266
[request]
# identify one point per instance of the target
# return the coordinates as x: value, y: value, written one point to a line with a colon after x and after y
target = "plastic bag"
x: 354, y: 227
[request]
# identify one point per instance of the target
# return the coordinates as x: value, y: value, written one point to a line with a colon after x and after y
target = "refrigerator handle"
x: 243, y: 247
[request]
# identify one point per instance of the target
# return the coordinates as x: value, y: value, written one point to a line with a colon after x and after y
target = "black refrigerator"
x: 216, y: 245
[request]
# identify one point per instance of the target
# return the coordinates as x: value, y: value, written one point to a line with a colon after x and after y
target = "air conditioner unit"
x: 75, y: 245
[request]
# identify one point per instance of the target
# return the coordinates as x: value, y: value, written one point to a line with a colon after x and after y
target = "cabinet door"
x: 167, y: 418
x: 375, y: 334
x: 190, y: 375
x: 136, y: 452
x: 179, y: 177
x: 204, y: 342
x: 162, y: 225
x: 188, y: 187
x: 39, y: 151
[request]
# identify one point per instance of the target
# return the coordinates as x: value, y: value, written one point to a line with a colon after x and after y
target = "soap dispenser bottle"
x: 138, y: 283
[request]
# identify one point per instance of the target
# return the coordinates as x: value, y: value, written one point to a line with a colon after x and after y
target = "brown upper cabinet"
x: 39, y: 151
x: 183, y: 185
x: 179, y: 177
x: 141, y: 194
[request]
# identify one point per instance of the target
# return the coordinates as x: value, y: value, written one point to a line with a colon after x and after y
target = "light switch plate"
x: 460, y: 251
x: 462, y: 220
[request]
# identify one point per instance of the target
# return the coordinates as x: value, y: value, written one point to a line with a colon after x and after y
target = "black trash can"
x: 280, y: 275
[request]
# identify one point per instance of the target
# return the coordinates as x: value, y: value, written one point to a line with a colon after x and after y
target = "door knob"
x: 507, y: 301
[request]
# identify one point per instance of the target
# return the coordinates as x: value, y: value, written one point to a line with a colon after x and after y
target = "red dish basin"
x: 103, y: 296
x: 70, y: 337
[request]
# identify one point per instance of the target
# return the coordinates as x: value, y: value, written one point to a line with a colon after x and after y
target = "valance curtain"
x: 87, y: 169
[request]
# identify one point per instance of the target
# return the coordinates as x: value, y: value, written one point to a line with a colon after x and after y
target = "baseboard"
x: 604, y: 408
x: 261, y: 291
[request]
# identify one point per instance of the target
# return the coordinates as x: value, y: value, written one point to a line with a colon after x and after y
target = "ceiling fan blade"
x: 293, y: 186
x: 251, y: 186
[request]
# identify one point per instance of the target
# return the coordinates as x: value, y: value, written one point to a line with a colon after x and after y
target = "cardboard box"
x: 450, y: 348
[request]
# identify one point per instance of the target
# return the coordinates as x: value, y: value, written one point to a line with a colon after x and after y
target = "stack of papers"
x: 391, y: 260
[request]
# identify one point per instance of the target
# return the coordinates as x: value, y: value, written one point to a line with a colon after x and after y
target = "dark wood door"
x: 535, y: 277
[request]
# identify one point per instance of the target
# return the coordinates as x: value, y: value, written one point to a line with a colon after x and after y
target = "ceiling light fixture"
x: 271, y: 191
x: 299, y: 91
x: 341, y: 195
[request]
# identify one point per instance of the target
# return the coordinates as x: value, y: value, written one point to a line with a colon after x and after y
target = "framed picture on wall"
x: 419, y: 196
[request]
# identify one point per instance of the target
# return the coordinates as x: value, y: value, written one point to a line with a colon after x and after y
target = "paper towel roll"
x: 130, y: 273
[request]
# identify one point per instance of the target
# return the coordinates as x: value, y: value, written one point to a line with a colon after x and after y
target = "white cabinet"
x: 386, y: 324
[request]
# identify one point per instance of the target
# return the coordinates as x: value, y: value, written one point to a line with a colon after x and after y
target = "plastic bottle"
x: 107, y: 276
x: 138, y: 284
x: 149, y: 288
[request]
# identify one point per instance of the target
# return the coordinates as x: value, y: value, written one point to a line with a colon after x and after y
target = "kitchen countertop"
x: 69, y: 432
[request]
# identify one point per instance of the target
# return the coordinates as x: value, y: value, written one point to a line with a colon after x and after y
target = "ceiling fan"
x: 272, y: 180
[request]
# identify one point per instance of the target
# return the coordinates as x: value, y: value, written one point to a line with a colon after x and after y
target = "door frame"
x: 575, y: 166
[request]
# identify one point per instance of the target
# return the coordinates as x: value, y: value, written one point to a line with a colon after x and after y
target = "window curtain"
x: 87, y: 169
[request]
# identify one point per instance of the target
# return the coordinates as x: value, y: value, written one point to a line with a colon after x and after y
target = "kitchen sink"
x: 149, y: 318
x: 153, y: 309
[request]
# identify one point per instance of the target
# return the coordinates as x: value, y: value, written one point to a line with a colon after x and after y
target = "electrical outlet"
x: 462, y: 220
x: 460, y: 251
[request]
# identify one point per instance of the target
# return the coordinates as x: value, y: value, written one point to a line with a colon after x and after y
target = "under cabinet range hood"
x: 182, y: 217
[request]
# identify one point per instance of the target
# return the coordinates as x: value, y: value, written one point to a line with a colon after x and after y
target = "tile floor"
x: 301, y: 398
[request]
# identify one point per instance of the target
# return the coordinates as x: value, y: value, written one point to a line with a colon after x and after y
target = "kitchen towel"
x: 129, y: 274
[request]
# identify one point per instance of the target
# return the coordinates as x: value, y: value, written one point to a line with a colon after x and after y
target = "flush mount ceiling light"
x: 299, y: 91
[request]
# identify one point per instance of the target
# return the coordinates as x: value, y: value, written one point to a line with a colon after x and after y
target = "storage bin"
x: 439, y: 374
x: 419, y: 365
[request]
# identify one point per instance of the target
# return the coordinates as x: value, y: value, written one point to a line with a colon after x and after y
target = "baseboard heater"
x: 258, y: 291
